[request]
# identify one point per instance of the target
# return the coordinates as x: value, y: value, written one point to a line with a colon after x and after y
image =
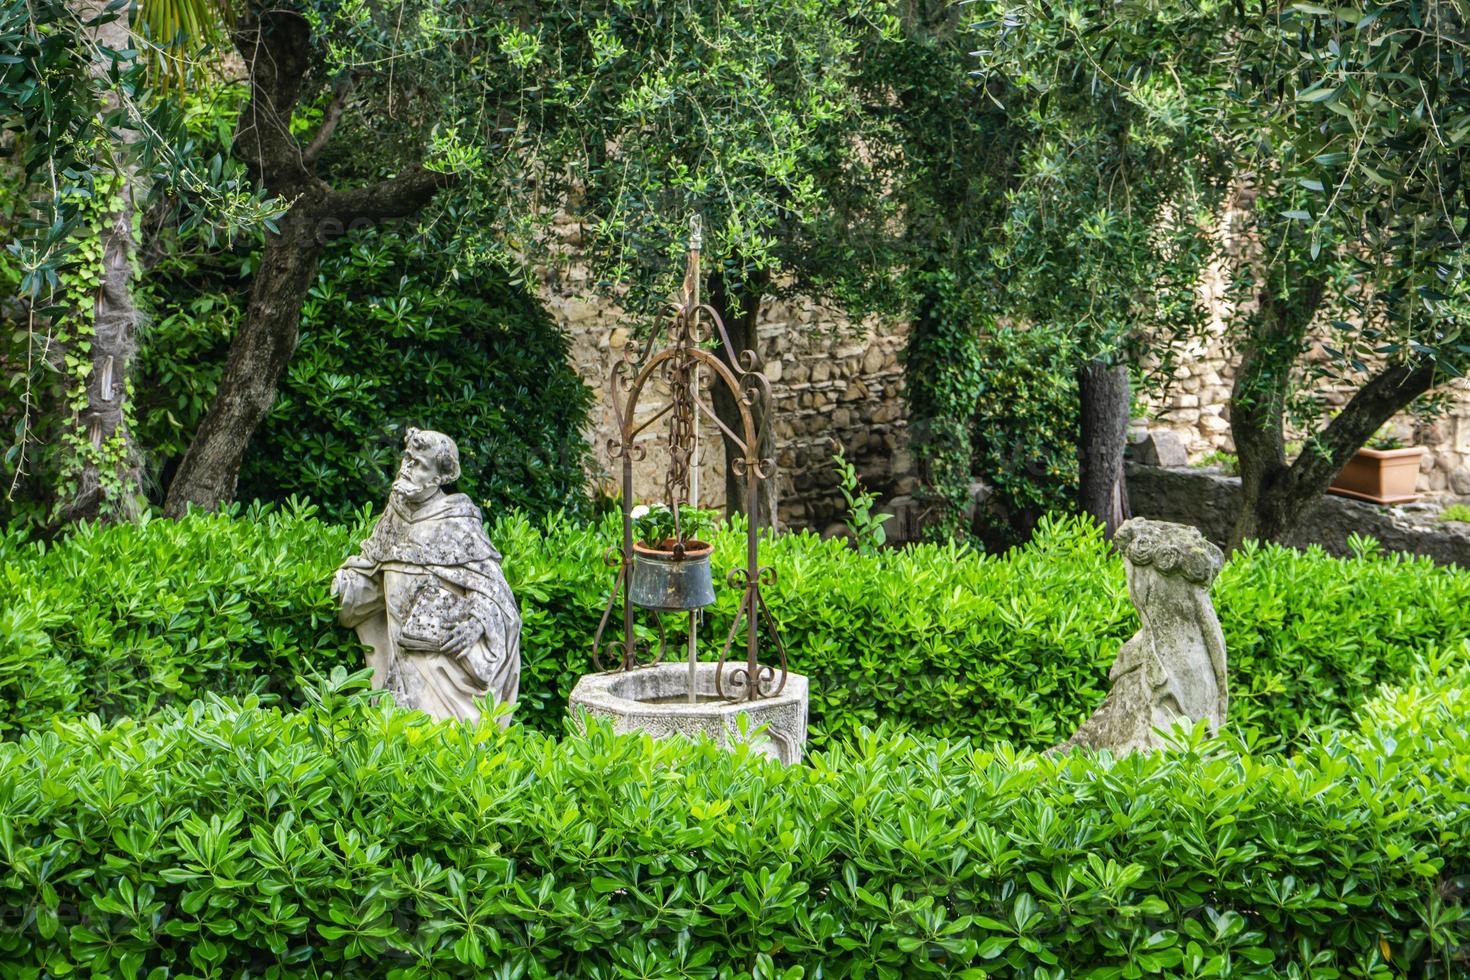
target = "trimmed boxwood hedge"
x: 224, y: 839
x: 935, y: 639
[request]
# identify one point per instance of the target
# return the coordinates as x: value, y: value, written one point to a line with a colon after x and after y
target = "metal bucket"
x: 669, y: 584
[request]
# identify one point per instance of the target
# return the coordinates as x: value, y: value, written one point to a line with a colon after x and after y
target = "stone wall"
x: 1209, y: 500
x: 832, y: 378
x: 839, y: 381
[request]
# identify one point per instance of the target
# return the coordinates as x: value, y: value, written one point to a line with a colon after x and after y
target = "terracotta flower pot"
x: 1381, y: 476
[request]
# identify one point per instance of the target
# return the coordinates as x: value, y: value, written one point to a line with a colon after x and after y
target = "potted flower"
x: 671, y: 570
x: 1382, y: 472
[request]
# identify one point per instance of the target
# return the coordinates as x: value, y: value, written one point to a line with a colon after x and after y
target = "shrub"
x: 1456, y: 512
x: 1023, y: 430
x: 228, y: 840
x: 391, y: 337
x: 933, y: 638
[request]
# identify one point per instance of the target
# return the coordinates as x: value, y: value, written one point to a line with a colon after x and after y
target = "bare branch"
x: 329, y: 123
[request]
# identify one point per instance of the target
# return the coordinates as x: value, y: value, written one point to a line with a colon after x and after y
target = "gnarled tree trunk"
x: 1275, y: 494
x: 254, y: 368
x: 276, y: 47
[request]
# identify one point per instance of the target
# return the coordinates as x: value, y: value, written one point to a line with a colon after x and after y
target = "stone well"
x: 655, y: 700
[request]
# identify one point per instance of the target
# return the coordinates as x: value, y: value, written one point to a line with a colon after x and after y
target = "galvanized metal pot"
x: 667, y: 583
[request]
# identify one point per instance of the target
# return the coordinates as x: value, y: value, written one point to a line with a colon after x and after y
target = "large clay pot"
x: 670, y: 583
x: 1380, y: 476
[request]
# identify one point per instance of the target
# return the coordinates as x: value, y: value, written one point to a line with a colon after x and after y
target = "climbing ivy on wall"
x: 993, y: 404
x: 51, y: 371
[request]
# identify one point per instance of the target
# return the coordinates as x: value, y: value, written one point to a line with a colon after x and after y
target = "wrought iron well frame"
x: 679, y: 364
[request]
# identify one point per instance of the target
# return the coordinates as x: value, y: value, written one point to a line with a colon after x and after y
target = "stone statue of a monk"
x: 427, y: 596
x: 1173, y: 669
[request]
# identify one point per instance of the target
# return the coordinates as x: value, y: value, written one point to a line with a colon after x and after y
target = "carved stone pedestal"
x: 655, y: 700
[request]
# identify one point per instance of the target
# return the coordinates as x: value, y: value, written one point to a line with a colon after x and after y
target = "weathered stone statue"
x: 427, y: 595
x: 1174, y: 667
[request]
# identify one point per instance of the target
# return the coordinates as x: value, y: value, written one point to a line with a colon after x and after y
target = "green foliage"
x: 993, y: 403
x: 865, y: 526
x: 653, y: 524
x: 1023, y: 429
x: 943, y: 371
x: 1385, y: 439
x: 934, y: 638
x: 391, y: 337
x: 1108, y: 229
x: 225, y: 839
x: 1227, y: 462
x: 1456, y: 512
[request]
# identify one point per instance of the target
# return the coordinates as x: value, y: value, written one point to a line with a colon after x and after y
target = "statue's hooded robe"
x: 443, y: 544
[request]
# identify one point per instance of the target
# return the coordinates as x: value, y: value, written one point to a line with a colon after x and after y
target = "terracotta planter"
x: 1381, y: 476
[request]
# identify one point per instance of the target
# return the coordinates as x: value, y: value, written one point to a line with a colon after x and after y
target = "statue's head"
x: 1166, y: 562
x: 430, y: 460
x: 1170, y: 549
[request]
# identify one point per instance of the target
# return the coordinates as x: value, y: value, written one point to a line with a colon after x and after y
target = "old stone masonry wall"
x: 834, y: 381
x: 838, y: 381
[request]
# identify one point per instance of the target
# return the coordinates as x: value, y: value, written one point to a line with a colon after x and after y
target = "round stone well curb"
x: 646, y: 699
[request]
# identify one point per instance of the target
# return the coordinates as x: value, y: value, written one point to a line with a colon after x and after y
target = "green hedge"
x: 227, y: 840
x: 392, y: 336
x: 941, y: 641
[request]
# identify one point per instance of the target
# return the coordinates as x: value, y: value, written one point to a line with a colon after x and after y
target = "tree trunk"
x: 739, y: 310
x: 1103, y: 393
x: 108, y: 467
x: 275, y: 45
x: 1275, y: 494
x: 257, y: 361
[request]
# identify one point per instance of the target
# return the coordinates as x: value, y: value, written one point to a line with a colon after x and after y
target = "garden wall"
x: 839, y: 379
x: 1210, y: 501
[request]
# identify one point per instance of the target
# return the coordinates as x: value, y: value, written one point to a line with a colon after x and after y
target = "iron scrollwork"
x: 680, y: 365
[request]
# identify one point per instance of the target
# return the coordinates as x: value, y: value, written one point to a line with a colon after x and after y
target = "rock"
x: 1213, y: 423
x: 1173, y: 669
x: 773, y: 372
x: 1460, y: 481
x: 1210, y: 502
x: 872, y: 360
x: 1161, y: 447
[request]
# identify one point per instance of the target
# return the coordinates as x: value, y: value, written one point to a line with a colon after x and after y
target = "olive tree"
x: 1340, y: 136
x: 1102, y: 237
x: 633, y: 115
